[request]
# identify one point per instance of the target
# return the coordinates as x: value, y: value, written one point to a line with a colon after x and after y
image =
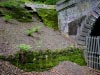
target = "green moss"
x: 14, y: 9
x: 45, y: 60
x: 2, y: 57
x: 49, y: 17
x: 49, y: 2
x: 7, y: 17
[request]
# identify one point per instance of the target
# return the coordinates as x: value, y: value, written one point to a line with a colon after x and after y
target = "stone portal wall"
x: 87, y: 25
x: 70, y: 11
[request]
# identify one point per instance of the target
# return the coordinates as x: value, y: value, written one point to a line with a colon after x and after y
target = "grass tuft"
x: 33, y: 30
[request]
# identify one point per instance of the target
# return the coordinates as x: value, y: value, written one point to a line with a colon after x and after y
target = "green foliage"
x: 24, y: 47
x: 34, y: 29
x: 50, y: 2
x: 21, y: 56
x: 7, y: 17
x: 0, y: 12
x: 39, y: 44
x: 45, y: 60
x: 23, y: 1
x: 49, y: 17
x: 14, y: 9
x: 2, y: 57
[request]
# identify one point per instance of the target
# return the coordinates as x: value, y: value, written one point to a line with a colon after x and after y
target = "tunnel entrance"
x: 93, y: 46
x: 96, y: 28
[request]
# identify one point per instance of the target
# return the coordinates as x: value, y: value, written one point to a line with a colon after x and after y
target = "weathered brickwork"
x: 72, y: 13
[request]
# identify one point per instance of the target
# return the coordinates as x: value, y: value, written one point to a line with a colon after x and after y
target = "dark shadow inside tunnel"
x: 94, y: 45
x: 96, y: 28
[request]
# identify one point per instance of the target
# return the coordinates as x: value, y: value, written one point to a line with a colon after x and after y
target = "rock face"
x: 72, y: 13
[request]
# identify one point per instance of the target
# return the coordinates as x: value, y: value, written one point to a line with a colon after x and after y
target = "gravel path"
x: 64, y: 68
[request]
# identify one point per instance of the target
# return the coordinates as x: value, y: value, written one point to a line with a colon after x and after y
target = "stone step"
x: 83, y: 33
x: 82, y: 43
x: 95, y: 14
x: 92, y: 18
x: 97, y: 10
x: 81, y: 38
x: 87, y: 26
x: 98, y: 6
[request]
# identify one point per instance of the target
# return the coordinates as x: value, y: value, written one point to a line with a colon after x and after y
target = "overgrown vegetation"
x: 45, y: 60
x: 49, y: 17
x: 32, y: 30
x: 50, y: 2
x: 7, y: 17
x: 14, y: 9
x: 23, y: 49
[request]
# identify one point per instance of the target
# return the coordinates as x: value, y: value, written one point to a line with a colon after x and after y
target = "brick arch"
x: 87, y: 25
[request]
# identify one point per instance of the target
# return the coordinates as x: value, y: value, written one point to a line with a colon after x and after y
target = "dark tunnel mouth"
x: 95, y: 31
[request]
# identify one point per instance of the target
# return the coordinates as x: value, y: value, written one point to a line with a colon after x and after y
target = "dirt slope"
x: 64, y: 68
x: 14, y: 33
